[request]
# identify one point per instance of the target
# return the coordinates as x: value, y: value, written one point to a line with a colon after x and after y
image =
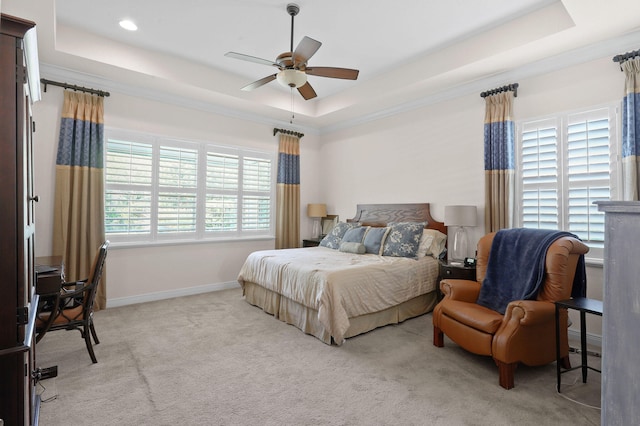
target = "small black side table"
x: 585, y: 306
x: 311, y: 242
x: 456, y: 271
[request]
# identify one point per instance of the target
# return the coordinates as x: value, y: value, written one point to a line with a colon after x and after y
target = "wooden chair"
x: 74, y: 308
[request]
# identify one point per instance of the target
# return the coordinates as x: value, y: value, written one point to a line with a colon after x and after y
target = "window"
x: 566, y: 163
x: 161, y: 189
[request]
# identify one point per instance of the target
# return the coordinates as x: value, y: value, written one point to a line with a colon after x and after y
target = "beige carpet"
x: 213, y: 359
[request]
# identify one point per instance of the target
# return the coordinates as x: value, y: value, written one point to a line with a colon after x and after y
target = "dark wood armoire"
x: 18, y: 301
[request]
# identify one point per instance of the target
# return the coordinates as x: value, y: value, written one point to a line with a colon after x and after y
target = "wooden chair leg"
x: 506, y: 373
x: 438, y: 337
x: 87, y: 340
x: 93, y: 333
x: 565, y: 362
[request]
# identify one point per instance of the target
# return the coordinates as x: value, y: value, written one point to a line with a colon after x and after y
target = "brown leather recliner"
x: 526, y: 332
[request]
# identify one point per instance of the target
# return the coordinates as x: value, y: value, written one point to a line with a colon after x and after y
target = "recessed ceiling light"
x: 128, y: 25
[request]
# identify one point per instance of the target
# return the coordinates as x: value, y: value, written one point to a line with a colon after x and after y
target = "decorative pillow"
x: 351, y: 247
x: 403, y: 239
x: 374, y: 239
x: 332, y: 240
x: 432, y: 243
x: 355, y: 235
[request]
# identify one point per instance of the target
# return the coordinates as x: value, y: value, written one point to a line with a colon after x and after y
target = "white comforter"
x: 340, y: 285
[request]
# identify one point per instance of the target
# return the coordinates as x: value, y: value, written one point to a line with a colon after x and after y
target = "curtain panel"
x: 288, y: 193
x: 631, y: 130
x: 499, y: 161
x: 78, y: 227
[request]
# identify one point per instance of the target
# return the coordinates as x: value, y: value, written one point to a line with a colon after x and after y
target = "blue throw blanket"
x: 516, y: 267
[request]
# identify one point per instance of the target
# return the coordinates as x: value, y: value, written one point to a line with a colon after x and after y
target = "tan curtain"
x: 78, y: 226
x: 631, y: 130
x: 288, y: 193
x: 499, y: 161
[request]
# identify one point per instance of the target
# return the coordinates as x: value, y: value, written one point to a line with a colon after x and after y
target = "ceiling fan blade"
x: 307, y: 91
x: 305, y: 50
x: 344, y: 73
x: 249, y: 58
x: 259, y: 83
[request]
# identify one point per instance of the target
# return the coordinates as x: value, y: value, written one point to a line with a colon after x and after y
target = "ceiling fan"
x: 293, y: 65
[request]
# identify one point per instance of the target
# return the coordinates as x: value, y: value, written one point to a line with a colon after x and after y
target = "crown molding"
x: 574, y: 57
x: 54, y: 72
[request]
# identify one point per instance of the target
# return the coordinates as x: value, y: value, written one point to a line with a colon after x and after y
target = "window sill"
x: 145, y: 244
x: 594, y: 262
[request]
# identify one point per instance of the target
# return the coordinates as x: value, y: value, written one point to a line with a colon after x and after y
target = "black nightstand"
x: 311, y: 242
x: 456, y: 271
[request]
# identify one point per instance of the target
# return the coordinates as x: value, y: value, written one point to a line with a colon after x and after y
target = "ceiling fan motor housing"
x: 293, y: 9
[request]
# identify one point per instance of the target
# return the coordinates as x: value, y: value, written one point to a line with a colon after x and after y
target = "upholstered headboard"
x: 381, y: 214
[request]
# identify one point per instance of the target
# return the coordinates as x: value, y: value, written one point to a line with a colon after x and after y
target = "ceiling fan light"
x: 292, y: 78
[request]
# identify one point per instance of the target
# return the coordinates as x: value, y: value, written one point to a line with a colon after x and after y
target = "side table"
x: 454, y: 271
x: 457, y: 271
x: 584, y: 306
x: 311, y: 242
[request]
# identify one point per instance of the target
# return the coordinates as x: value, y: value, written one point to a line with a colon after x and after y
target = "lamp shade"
x: 316, y: 210
x: 460, y: 215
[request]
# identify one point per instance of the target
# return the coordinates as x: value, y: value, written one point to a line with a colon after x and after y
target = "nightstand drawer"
x: 458, y: 272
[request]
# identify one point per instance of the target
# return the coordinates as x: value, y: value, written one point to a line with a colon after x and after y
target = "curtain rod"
x: 73, y: 87
x: 513, y: 87
x: 626, y: 56
x: 287, y: 132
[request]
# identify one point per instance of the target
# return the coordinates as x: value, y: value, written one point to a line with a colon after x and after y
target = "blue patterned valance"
x: 631, y: 125
x: 88, y: 153
x: 499, y: 145
x: 288, y: 168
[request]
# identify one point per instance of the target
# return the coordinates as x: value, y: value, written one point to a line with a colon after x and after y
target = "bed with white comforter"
x: 334, y: 295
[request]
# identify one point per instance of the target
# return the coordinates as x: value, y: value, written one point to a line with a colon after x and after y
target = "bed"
x: 334, y: 295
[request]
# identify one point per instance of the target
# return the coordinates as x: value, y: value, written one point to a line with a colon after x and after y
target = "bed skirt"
x: 306, y: 319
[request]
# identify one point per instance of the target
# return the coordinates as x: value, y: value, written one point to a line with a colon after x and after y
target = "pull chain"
x: 292, y: 114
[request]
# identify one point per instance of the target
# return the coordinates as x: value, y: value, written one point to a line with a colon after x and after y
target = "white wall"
x: 138, y: 274
x: 435, y: 153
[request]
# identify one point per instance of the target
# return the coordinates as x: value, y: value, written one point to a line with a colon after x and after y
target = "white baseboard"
x: 592, y: 339
x: 169, y: 294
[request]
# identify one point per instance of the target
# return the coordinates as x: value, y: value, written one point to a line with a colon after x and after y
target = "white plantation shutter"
x: 540, y: 172
x: 223, y: 177
x: 177, y: 190
x: 159, y: 189
x: 256, y: 187
x: 565, y: 165
x: 128, y: 187
x: 588, y: 173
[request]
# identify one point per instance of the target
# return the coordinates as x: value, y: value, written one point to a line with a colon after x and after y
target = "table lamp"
x: 316, y: 211
x: 460, y: 217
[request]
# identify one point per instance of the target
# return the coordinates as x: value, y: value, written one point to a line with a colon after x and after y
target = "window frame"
x: 562, y: 120
x: 202, y: 148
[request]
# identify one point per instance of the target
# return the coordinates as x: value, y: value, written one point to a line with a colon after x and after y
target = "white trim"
x: 574, y: 57
x: 170, y: 294
x: 592, y: 339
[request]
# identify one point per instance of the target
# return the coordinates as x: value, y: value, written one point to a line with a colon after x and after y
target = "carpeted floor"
x: 213, y: 359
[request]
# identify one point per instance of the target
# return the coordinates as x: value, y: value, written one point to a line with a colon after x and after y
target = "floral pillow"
x: 403, y: 239
x: 333, y: 239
